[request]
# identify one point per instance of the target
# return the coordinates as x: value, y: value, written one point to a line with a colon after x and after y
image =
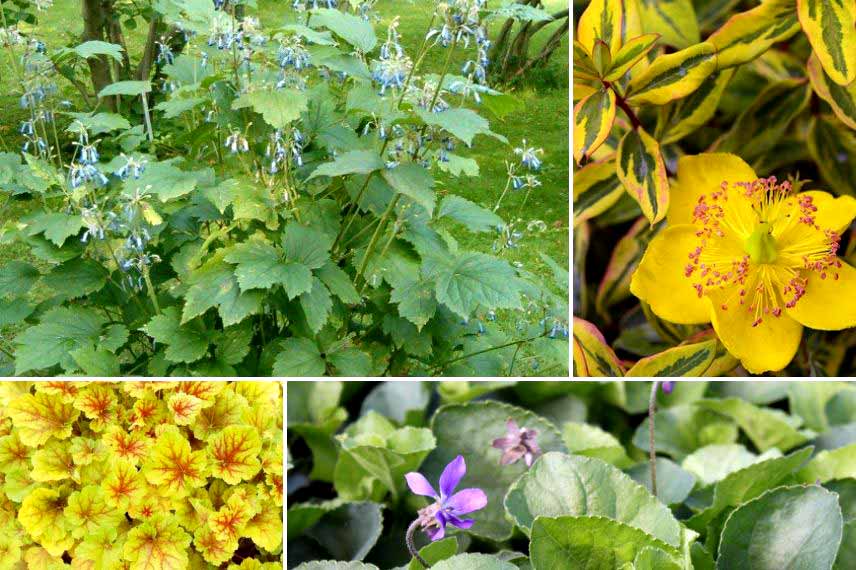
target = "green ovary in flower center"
x: 761, y: 245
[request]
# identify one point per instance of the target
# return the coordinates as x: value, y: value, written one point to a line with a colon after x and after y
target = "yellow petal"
x: 702, y: 174
x: 770, y: 346
x: 660, y: 279
x: 832, y: 213
x: 828, y: 304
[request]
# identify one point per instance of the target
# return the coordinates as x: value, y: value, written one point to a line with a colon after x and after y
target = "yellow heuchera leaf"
x: 123, y: 485
x: 40, y: 417
x: 193, y: 511
x: 274, y: 483
x: 184, y: 407
x: 67, y: 391
x: 234, y: 454
x: 85, y: 450
x: 98, y: 403
x: 148, y: 412
x: 272, y: 455
x: 13, y: 453
x: 133, y: 446
x: 38, y: 557
x: 206, y: 391
x: 172, y: 466
x: 10, y: 551
x: 143, y: 389
x: 216, y: 550
x: 101, y: 550
x: 41, y: 515
x: 151, y: 502
x: 265, y: 529
x: 227, y: 410
x: 53, y: 462
x: 157, y: 544
x: 88, y: 509
x: 232, y: 518
x: 253, y: 564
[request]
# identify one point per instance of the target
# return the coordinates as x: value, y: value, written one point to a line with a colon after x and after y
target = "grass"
x: 543, y: 122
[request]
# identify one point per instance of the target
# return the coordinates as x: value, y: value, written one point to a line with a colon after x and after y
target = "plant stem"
x: 151, y: 289
x: 148, y: 118
x: 652, y: 453
x: 506, y: 345
x: 375, y: 236
x: 622, y: 104
x: 408, y: 538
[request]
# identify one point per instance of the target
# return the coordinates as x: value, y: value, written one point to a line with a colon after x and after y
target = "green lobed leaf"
x: 469, y: 214
x: 278, y: 108
x: 94, y: 48
x: 413, y: 181
x: 463, y: 123
x: 299, y: 357
x: 351, y: 162
x: 184, y: 342
x: 17, y: 278
x: 354, y: 30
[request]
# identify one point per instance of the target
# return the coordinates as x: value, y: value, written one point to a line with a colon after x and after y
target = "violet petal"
x: 420, y: 485
x: 452, y: 475
x: 466, y: 501
x: 461, y: 523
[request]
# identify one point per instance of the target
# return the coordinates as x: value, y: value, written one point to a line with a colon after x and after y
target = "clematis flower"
x: 448, y: 505
x: 519, y: 442
x: 750, y: 256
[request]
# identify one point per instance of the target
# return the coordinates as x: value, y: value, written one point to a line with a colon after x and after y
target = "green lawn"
x: 543, y: 121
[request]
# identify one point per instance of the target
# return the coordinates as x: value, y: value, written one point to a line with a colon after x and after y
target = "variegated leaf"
x: 583, y: 65
x: 747, y: 35
x: 596, y: 188
x: 698, y: 108
x: 763, y: 123
x: 629, y: 54
x: 674, y: 76
x: 615, y: 285
x: 674, y: 19
x: 602, y: 19
x: 592, y: 356
x: 686, y: 360
x: 831, y: 29
x: 842, y: 99
x: 593, y: 118
x: 641, y: 169
x: 723, y: 362
x: 833, y: 148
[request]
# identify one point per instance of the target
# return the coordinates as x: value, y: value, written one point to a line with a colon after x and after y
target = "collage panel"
x: 167, y: 475
x: 284, y: 188
x: 549, y: 475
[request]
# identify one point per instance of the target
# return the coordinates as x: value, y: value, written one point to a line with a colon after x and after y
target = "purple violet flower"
x: 519, y: 442
x: 667, y: 387
x: 448, y: 505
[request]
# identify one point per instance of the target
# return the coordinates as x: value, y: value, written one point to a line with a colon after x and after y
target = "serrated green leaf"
x: 278, y: 108
x: 261, y: 266
x: 126, y: 88
x: 470, y: 280
x: 76, y: 278
x: 299, y: 357
x: 214, y: 285
x: 414, y: 182
x: 57, y: 227
x: 351, y: 162
x: 356, y: 31
x: 94, y: 48
x: 60, y: 331
x: 184, y: 342
x: 474, y: 217
x: 316, y: 304
x: 463, y: 123
x: 17, y: 278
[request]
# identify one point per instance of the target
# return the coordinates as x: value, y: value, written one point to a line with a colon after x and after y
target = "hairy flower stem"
x: 652, y: 453
x: 412, y: 547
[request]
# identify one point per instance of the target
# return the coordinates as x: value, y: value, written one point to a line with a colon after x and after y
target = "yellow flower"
x: 750, y: 256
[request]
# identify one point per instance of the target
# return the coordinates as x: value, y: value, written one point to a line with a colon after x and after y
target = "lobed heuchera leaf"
x: 98, y: 403
x: 41, y: 416
x: 158, y: 544
x: 124, y: 485
x: 132, y: 445
x: 41, y: 515
x: 173, y: 465
x: 88, y: 510
x: 53, y: 462
x: 230, y: 521
x: 13, y: 453
x: 184, y: 407
x: 215, y: 549
x: 234, y: 454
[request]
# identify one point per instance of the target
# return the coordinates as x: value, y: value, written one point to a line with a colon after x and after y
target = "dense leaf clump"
x: 141, y: 475
x: 748, y: 475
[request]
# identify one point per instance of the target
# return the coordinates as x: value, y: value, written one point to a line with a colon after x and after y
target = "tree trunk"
x: 95, y: 15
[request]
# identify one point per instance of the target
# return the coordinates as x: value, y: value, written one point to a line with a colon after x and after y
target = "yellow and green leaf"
x: 215, y: 550
x: 88, y: 510
x: 102, y: 548
x: 184, y: 407
x: 615, y: 285
x: 593, y: 118
x: 828, y: 140
x: 673, y: 76
x: 41, y: 416
x: 172, y: 466
x: 842, y: 99
x: 53, y: 462
x: 124, y: 485
x: 265, y: 529
x: 674, y: 19
x: 98, y: 403
x: 601, y: 20
x: 130, y: 445
x: 592, y: 356
x: 13, y: 453
x: 233, y: 454
x: 831, y: 29
x: 687, y: 360
x: 41, y: 515
x: 761, y: 125
x: 642, y: 171
x: 157, y: 544
x: 747, y: 35
x: 630, y: 54
x: 690, y: 113
x: 596, y: 188
x: 230, y: 521
x: 723, y: 363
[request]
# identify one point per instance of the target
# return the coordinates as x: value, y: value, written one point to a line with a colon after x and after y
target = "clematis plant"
x: 753, y: 256
x: 519, y: 443
x: 448, y: 506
